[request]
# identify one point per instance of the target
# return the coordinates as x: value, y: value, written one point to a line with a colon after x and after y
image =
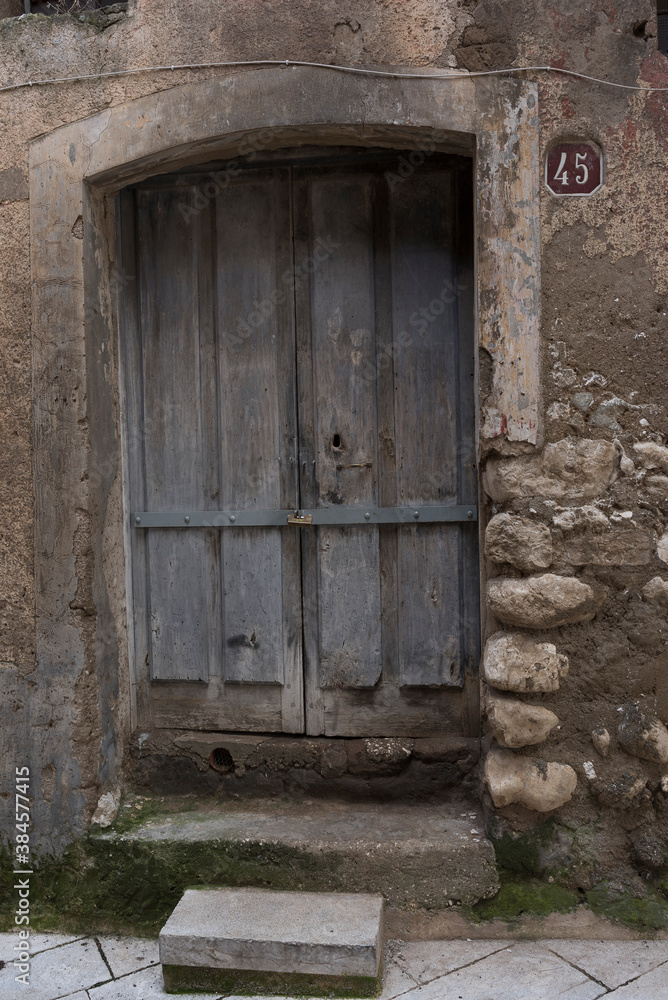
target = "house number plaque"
x: 574, y: 168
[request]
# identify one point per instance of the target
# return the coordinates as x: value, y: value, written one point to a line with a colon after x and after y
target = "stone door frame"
x: 75, y: 172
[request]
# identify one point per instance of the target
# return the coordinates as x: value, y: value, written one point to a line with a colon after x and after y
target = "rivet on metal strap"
x: 416, y: 514
x: 232, y: 518
x: 137, y: 520
x: 367, y: 516
x: 187, y: 519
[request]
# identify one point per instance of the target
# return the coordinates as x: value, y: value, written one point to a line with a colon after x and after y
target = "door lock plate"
x: 299, y: 518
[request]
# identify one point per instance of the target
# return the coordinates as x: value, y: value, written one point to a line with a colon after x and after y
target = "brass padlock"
x: 299, y: 518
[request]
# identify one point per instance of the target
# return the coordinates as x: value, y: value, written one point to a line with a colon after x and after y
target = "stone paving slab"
x: 427, y: 960
x: 420, y: 970
x: 520, y: 972
x: 128, y: 954
x: 144, y: 985
x: 652, y: 986
x: 396, y: 979
x: 612, y: 963
x: 38, y: 942
x: 57, y: 973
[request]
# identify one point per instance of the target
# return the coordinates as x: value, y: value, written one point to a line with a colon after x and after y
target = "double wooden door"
x: 298, y: 337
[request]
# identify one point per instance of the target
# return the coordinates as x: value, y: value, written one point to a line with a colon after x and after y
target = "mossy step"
x: 258, y: 941
x: 419, y: 855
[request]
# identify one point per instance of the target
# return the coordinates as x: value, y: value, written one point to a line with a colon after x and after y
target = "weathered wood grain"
x: 182, y: 581
x: 381, y: 330
x: 343, y: 349
x: 426, y: 405
x: 250, y: 422
x: 307, y: 342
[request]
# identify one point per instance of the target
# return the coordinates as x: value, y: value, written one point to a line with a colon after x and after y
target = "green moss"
x: 524, y: 898
x: 137, y: 810
x: 615, y: 902
x: 236, y: 982
x: 520, y: 853
x: 131, y: 886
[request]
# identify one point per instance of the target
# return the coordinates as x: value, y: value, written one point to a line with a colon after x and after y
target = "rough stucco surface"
x: 604, y: 336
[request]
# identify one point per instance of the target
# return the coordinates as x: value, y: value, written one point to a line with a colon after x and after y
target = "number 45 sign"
x: 574, y: 168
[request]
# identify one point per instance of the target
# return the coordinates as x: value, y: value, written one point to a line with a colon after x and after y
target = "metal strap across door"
x: 313, y: 516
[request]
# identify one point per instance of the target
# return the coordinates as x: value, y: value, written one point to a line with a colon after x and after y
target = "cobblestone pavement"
x: 120, y: 968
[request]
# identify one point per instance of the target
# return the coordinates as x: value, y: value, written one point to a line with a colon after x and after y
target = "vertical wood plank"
x: 343, y: 351
x: 383, y: 382
x: 426, y: 369
x: 257, y: 429
x: 182, y: 571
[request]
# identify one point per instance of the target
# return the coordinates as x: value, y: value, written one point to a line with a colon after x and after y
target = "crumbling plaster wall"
x: 605, y: 295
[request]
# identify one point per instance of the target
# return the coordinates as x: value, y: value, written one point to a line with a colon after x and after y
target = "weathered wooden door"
x: 301, y: 340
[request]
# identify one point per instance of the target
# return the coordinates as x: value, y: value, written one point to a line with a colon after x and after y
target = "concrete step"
x: 245, y: 941
x: 417, y: 856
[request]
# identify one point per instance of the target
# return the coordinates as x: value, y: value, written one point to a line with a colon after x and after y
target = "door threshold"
x: 240, y: 764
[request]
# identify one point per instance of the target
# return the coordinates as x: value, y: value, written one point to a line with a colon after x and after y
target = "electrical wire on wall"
x: 339, y: 69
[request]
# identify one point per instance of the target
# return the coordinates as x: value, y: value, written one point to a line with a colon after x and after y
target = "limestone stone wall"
x: 575, y: 565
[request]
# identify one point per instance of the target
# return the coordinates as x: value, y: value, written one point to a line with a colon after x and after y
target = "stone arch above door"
x: 76, y: 169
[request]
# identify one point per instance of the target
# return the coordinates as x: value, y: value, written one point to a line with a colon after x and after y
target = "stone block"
x: 587, y: 516
x: 516, y: 723
x: 613, y: 547
x: 446, y: 749
x: 370, y: 757
x: 519, y: 541
x: 13, y: 185
x: 571, y: 470
x: 536, y: 784
x: 662, y: 547
x: 388, y: 750
x: 107, y: 808
x: 408, y: 851
x: 544, y: 601
x: 514, y: 662
x: 273, y: 942
x: 620, y: 792
x: 657, y: 487
x: 643, y: 735
x: 582, y: 401
x: 656, y: 592
x: 652, y: 455
x: 333, y: 759
x: 600, y: 737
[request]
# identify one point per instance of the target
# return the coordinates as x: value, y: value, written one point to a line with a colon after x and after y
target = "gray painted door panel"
x: 385, y: 379
x: 303, y: 340
x: 210, y: 430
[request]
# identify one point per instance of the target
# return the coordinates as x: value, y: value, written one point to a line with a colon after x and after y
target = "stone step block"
x: 416, y: 855
x: 259, y: 941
